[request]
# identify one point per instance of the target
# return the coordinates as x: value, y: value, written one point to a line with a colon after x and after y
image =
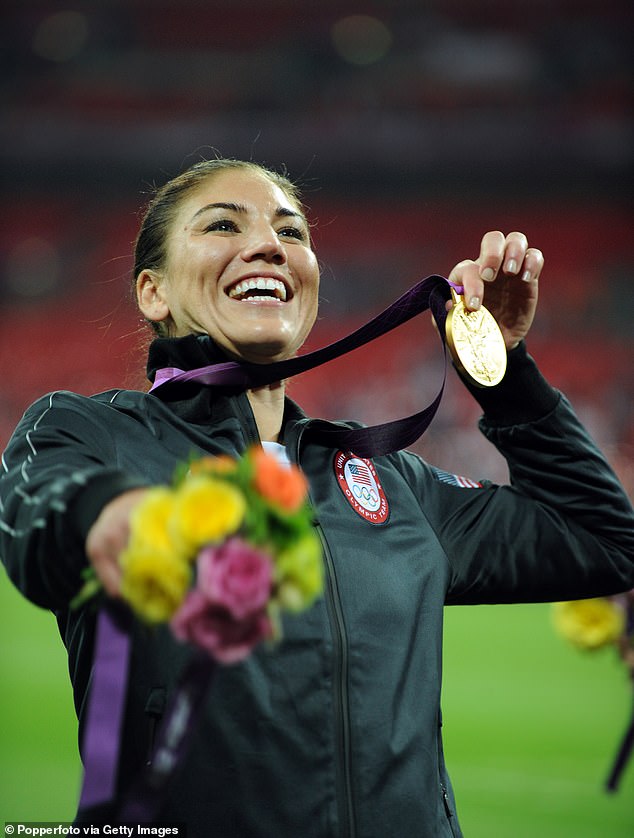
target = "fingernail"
x: 488, y: 274
x: 474, y: 303
x: 526, y: 276
x: 511, y: 266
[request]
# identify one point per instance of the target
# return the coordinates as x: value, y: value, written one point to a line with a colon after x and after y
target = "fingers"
x: 500, y: 252
x: 533, y: 265
x: 108, y: 536
x: 467, y: 274
x: 510, y: 254
x: 500, y: 256
x: 106, y: 539
x: 492, y: 248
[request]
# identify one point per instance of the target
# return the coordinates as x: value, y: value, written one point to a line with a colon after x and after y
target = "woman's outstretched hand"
x: 108, y: 536
x: 505, y: 278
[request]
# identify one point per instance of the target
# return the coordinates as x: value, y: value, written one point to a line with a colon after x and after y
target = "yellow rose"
x: 299, y: 573
x: 154, y: 582
x: 149, y: 521
x: 589, y: 623
x: 206, y: 511
x: 156, y: 575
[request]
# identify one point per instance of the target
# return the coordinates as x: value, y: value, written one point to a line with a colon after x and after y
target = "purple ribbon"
x: 104, y: 719
x: 112, y: 649
x: 373, y: 441
x: 244, y: 375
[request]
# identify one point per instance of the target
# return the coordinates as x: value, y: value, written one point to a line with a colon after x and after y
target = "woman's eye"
x: 222, y: 225
x: 293, y: 233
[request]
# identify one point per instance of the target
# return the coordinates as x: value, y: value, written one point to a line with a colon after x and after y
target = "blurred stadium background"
x: 413, y: 127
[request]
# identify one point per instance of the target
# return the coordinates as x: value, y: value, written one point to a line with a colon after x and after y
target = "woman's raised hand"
x: 505, y: 278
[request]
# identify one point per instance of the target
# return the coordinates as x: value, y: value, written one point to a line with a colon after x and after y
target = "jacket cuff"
x: 523, y: 395
x: 85, y: 507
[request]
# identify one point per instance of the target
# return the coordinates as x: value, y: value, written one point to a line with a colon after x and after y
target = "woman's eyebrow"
x: 285, y: 212
x: 227, y: 205
x: 280, y: 212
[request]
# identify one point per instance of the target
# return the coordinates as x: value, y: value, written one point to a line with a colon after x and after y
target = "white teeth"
x: 260, y: 284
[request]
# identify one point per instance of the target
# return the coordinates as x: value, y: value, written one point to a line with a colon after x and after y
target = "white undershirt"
x: 278, y: 451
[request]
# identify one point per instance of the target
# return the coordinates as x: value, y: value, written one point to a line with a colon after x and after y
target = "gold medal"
x: 476, y: 343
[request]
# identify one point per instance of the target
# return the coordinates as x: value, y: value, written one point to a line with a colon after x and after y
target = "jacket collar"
x: 197, y: 403
x: 186, y: 353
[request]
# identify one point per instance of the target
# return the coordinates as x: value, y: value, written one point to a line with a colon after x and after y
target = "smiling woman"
x: 235, y: 263
x: 232, y: 233
x: 349, y: 701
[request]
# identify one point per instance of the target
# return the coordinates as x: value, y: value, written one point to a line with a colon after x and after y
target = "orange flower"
x: 280, y: 485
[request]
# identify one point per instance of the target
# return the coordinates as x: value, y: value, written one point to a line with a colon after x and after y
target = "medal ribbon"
x: 112, y: 649
x: 376, y: 440
x: 104, y: 719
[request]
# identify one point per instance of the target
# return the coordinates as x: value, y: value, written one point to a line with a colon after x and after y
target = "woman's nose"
x: 264, y: 244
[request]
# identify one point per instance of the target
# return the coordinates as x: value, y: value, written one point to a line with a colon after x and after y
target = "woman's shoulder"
x: 70, y: 400
x: 66, y: 408
x: 414, y: 467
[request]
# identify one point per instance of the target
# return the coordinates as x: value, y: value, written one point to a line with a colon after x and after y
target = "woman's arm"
x: 58, y: 473
x: 563, y: 529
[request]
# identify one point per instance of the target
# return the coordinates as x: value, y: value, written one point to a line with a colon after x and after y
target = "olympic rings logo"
x: 365, y: 494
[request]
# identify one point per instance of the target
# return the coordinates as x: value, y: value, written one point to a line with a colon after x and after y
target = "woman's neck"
x: 267, y: 404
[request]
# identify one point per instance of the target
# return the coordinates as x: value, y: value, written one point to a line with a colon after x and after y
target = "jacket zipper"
x: 445, y: 800
x: 341, y: 704
x: 341, y: 696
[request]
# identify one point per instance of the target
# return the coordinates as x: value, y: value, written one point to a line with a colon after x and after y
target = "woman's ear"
x: 150, y: 296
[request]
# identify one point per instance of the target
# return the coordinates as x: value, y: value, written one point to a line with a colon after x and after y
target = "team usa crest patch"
x: 360, y: 484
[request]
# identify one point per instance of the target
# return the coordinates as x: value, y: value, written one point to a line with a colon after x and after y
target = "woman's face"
x: 239, y: 268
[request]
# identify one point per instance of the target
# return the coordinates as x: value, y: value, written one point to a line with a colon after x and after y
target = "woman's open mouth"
x: 258, y: 289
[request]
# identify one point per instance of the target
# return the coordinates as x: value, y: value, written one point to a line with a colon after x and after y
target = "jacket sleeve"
x: 58, y: 471
x: 562, y: 529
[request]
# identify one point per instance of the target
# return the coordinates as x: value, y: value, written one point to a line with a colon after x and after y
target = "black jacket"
x: 336, y: 732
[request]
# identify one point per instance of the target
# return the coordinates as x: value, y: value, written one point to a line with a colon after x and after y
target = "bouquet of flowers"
x: 222, y: 552
x: 592, y: 624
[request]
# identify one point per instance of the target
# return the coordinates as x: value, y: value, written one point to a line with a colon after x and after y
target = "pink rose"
x: 212, y: 628
x: 236, y: 576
